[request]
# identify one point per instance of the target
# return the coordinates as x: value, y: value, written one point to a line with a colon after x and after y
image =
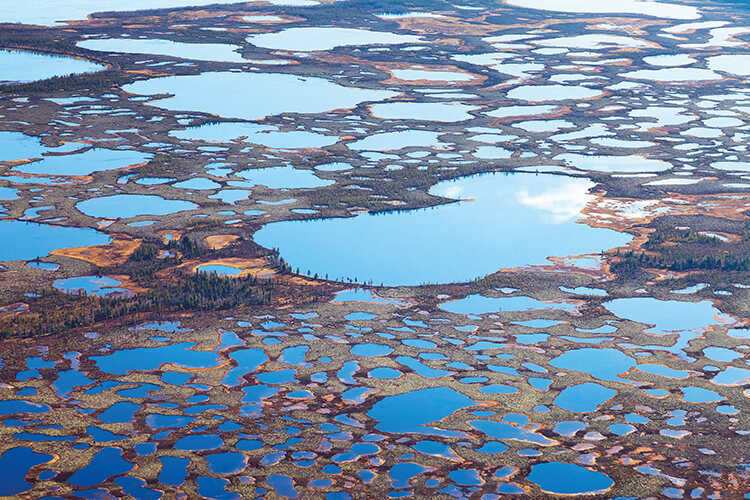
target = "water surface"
x: 413, y: 247
x: 28, y: 240
x: 315, y: 39
x: 23, y: 66
x: 638, y: 7
x: 124, y: 206
x: 263, y: 94
x: 51, y: 12
x: 86, y: 163
x: 197, y: 51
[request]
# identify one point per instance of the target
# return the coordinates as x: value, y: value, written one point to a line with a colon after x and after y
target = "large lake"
x: 507, y: 220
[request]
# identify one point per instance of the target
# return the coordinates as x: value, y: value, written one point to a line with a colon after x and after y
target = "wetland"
x: 348, y: 249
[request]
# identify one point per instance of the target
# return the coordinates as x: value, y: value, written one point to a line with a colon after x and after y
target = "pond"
x: 18, y: 146
x: 197, y: 51
x: 387, y: 141
x: 412, y: 412
x: 687, y: 320
x: 315, y: 39
x: 548, y: 93
x: 263, y: 135
x: 674, y: 75
x: 101, y: 286
x: 478, y: 304
x: 411, y: 247
x: 23, y: 66
x: 428, y: 111
x: 638, y: 7
x: 28, y: 240
x: 286, y: 177
x: 50, y: 12
x: 124, y: 206
x: 614, y: 164
x: 86, y: 163
x: 219, y: 270
x: 559, y: 478
x: 264, y: 94
x: 431, y: 75
x: 16, y: 464
x: 668, y: 316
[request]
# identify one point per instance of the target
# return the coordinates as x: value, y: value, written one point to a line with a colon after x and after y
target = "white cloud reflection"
x: 560, y: 205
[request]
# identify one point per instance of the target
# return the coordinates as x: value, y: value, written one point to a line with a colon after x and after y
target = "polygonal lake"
x: 504, y: 221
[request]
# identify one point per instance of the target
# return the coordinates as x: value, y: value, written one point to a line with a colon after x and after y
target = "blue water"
x: 45, y: 266
x: 199, y: 442
x: 197, y: 183
x: 23, y: 66
x: 15, y: 464
x: 478, y: 304
x: 158, y: 421
x: 86, y: 163
x: 18, y: 146
x: 134, y: 487
x: 257, y: 134
x: 132, y: 205
x: 219, y: 269
x: 29, y: 240
x: 286, y: 177
x: 248, y: 360
x: 506, y: 430
x: 388, y: 141
x: 218, y: 52
x: 119, y: 413
x: 226, y: 463
x: 50, y: 12
x: 151, y: 358
x: 411, y: 247
x: 568, y: 479
x: 602, y: 364
x: 263, y: 94
x: 412, y: 412
x: 370, y: 350
x: 214, y: 488
x: 7, y: 193
x: 584, y: 398
x: 283, y: 485
x: 363, y: 295
x: 667, y: 315
x: 91, y: 285
x: 108, y: 462
x: 173, y: 471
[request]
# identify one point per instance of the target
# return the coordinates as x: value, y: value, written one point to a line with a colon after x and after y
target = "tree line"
x: 630, y: 262
x: 197, y: 292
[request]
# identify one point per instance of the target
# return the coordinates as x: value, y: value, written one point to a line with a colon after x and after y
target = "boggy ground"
x: 267, y: 384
